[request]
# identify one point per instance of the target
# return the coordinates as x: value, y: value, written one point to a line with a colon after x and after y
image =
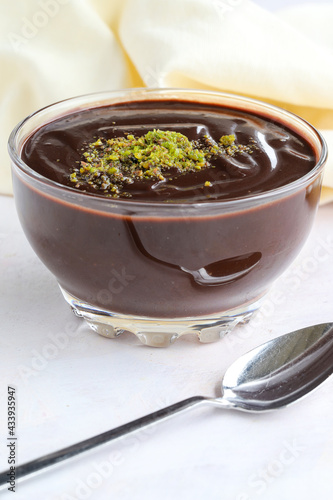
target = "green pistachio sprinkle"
x: 110, y: 165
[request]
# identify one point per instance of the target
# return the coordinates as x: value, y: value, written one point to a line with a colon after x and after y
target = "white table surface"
x: 72, y: 384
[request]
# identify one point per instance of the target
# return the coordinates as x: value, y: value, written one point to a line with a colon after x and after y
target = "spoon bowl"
x: 280, y: 371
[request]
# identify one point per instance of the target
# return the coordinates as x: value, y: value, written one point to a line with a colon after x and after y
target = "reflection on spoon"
x: 214, y: 274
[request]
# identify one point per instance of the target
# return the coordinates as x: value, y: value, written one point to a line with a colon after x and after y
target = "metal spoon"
x: 270, y: 376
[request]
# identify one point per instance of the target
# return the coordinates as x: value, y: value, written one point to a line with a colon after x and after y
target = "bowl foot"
x: 157, y: 332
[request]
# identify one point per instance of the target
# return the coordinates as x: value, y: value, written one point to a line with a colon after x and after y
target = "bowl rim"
x: 252, y: 199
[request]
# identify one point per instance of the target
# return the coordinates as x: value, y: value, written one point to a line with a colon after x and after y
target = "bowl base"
x: 157, y: 332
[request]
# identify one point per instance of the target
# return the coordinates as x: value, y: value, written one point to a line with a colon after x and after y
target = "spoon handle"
x: 65, y: 453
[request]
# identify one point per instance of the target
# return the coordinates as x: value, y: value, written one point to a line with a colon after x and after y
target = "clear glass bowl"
x: 163, y: 270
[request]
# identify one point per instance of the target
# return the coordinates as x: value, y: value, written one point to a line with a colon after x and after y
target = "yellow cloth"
x: 54, y: 49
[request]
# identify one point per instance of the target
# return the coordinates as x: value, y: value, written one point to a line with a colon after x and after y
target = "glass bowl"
x: 164, y: 270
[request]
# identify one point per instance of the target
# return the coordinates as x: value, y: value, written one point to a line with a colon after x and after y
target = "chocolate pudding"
x: 274, y: 155
x: 182, y: 243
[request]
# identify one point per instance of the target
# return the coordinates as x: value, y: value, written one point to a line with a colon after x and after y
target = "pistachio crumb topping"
x: 111, y: 164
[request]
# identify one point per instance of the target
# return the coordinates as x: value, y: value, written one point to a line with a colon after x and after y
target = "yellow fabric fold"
x: 54, y: 49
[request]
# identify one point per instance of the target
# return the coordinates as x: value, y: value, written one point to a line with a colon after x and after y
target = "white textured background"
x: 72, y: 384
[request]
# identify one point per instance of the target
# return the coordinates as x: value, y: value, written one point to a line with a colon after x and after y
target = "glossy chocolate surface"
x: 279, y: 156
